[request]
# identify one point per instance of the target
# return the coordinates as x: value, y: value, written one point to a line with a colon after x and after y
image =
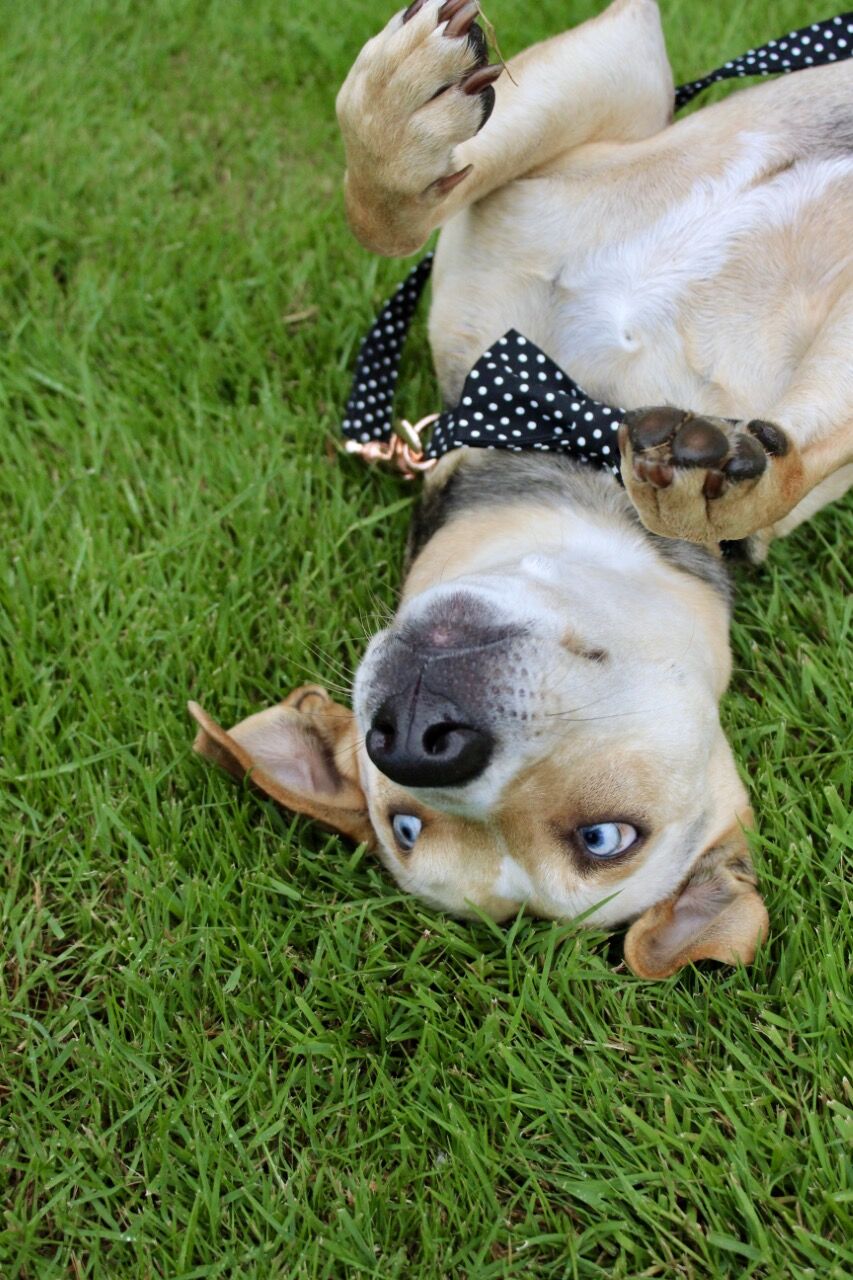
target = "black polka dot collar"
x: 516, y: 397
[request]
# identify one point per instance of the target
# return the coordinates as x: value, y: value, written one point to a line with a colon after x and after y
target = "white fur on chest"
x: 626, y: 304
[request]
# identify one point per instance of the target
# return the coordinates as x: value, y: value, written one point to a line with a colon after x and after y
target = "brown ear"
x: 717, y: 914
x: 302, y: 753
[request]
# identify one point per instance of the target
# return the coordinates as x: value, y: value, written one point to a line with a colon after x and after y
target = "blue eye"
x: 406, y: 828
x: 607, y: 839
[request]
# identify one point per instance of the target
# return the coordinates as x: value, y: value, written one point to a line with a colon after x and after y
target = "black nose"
x: 421, y: 741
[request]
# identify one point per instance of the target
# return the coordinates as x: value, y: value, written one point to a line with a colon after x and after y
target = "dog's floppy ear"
x: 301, y: 752
x: 717, y: 914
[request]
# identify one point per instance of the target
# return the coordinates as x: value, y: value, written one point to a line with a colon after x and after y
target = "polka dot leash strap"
x: 516, y: 397
x: 812, y: 46
x: 369, y: 411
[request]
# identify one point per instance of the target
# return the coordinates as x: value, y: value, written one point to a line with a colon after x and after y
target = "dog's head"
x: 535, y: 731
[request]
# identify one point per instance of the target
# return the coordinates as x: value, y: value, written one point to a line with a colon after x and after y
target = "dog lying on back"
x: 539, y: 725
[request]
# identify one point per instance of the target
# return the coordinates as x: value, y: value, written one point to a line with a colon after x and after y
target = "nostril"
x: 381, y: 737
x: 436, y: 739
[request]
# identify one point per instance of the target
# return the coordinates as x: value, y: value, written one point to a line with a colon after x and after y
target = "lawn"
x: 228, y: 1046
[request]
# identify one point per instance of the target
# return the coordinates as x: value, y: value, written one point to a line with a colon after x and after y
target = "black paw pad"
x: 771, y: 437
x: 699, y: 444
x: 650, y: 427
x: 749, y: 460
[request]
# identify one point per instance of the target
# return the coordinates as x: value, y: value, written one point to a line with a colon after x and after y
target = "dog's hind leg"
x: 413, y: 107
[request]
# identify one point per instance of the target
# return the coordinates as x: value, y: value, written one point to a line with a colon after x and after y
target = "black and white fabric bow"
x: 516, y: 397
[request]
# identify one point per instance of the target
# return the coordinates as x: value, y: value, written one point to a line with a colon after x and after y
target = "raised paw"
x: 457, y: 19
x: 702, y: 478
x: 416, y: 91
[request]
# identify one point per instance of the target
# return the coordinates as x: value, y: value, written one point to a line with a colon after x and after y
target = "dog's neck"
x: 548, y: 524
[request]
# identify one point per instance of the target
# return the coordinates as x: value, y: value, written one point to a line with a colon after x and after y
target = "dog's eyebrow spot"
x: 570, y: 641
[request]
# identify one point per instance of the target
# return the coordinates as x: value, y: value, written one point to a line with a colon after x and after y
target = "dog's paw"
x: 416, y: 91
x: 705, y: 479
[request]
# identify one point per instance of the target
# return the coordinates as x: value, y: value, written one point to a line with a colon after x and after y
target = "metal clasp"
x: 403, y: 453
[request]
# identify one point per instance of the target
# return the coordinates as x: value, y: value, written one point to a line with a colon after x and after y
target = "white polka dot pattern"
x: 369, y: 411
x: 514, y: 398
x: 517, y: 398
x: 812, y: 46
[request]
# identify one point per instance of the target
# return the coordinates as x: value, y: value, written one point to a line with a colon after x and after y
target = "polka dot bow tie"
x: 516, y: 397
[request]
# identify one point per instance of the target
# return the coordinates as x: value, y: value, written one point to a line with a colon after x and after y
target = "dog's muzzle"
x: 420, y: 738
x: 434, y: 683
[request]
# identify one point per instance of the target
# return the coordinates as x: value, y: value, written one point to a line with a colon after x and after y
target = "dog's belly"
x: 712, y: 304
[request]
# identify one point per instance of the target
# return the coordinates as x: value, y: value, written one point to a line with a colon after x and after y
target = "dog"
x: 538, y: 727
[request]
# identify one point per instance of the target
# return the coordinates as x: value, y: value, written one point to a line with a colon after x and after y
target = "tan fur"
x: 270, y: 749
x: 682, y: 511
x: 656, y: 756
x: 454, y: 865
x: 482, y: 538
x: 578, y: 163
x: 703, y: 264
x: 683, y: 928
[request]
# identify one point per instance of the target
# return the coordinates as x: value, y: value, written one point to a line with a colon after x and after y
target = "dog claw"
x: 713, y: 486
x: 461, y: 21
x: 658, y: 474
x: 442, y: 186
x: 450, y: 7
x: 480, y: 79
x: 414, y: 7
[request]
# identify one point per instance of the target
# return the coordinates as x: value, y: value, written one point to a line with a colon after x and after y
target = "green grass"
x: 228, y: 1046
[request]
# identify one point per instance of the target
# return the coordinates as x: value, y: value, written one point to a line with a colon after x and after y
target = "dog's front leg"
x: 413, y: 108
x: 713, y: 479
x: 417, y: 90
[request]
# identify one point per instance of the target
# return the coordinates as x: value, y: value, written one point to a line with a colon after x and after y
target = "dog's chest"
x: 708, y: 298
x: 655, y: 310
